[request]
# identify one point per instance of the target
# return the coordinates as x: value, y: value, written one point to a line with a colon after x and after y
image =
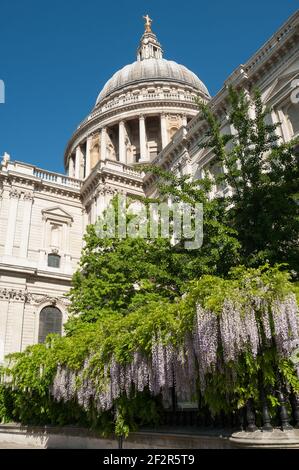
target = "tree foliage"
x: 118, y: 275
x: 263, y: 173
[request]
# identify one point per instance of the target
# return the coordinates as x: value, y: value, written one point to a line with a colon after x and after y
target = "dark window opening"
x: 50, y: 321
x: 53, y: 260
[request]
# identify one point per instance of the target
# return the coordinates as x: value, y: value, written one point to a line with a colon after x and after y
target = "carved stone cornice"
x: 22, y: 295
x: 4, y: 294
x: 28, y: 196
x: 39, y: 299
x: 101, y: 192
x: 14, y: 193
x: 58, y: 190
x: 110, y: 190
x: 17, y: 295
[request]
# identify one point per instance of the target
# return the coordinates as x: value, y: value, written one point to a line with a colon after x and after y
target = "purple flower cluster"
x: 214, y: 341
x: 286, y: 326
x: 205, y: 341
x: 63, y: 388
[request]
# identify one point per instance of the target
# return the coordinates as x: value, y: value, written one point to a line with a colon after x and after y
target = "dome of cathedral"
x: 138, y: 111
x: 152, y: 69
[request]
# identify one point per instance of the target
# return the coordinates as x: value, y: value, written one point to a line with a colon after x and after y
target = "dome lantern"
x: 149, y: 47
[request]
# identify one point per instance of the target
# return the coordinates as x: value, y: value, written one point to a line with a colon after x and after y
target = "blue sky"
x: 55, y: 56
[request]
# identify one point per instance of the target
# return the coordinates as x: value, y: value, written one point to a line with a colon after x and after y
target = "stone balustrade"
x: 138, y: 99
x: 121, y: 167
x: 44, y: 175
x: 57, y: 178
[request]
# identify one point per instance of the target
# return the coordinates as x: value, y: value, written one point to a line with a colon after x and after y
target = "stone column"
x: 29, y: 325
x: 78, y: 162
x: 103, y: 144
x: 28, y: 199
x: 164, y: 134
x: 142, y: 139
x: 71, y: 167
x: 121, y: 142
x: 67, y: 267
x: 11, y: 223
x: 184, y: 120
x: 87, y: 158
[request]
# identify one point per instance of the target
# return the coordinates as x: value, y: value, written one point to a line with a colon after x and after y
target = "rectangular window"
x: 53, y: 260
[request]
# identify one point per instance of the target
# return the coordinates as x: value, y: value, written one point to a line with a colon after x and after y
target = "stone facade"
x: 146, y: 112
x: 274, y: 70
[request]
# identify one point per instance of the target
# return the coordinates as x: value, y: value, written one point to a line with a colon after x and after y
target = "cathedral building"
x: 146, y: 112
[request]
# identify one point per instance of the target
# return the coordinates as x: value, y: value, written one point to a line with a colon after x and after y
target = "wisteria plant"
x: 223, y: 342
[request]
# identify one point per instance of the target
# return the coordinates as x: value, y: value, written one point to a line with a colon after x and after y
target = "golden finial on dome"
x: 148, y: 24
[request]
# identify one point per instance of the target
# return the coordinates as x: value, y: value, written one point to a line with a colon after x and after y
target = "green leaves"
x: 263, y: 173
x: 117, y: 275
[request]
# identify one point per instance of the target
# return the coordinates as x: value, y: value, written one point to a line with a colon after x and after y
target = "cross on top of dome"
x: 149, y: 47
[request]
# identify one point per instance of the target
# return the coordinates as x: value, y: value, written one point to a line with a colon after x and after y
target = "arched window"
x: 53, y: 260
x: 50, y: 321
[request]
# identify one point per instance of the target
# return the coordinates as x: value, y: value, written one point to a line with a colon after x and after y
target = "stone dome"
x: 152, y: 69
x: 138, y: 111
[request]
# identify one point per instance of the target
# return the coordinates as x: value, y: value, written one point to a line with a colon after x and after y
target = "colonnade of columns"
x: 80, y: 163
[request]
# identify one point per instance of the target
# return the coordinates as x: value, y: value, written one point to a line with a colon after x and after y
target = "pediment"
x: 57, y: 213
x: 280, y: 83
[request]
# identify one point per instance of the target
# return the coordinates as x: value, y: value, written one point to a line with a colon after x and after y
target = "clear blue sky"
x: 55, y: 56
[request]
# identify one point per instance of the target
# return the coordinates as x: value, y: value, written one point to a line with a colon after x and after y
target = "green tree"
x: 263, y: 173
x: 119, y: 274
x: 116, y: 275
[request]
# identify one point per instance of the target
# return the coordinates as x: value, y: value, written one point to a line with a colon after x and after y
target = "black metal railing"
x: 252, y: 417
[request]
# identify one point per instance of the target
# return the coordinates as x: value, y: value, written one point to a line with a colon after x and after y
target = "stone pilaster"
x: 4, y: 303
x: 11, y: 223
x: 15, y: 321
x: 28, y: 200
x: 42, y: 251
